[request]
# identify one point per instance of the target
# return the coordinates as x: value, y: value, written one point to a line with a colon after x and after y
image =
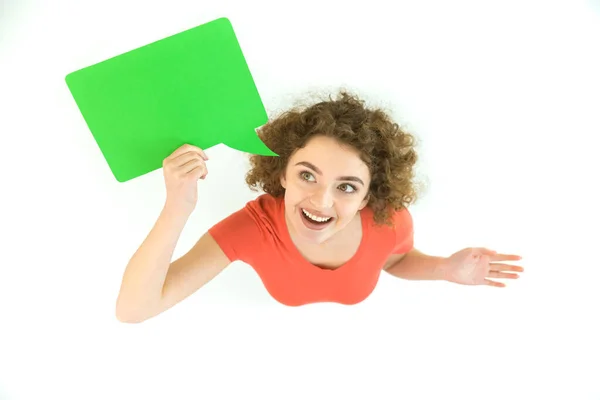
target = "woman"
x: 333, y: 216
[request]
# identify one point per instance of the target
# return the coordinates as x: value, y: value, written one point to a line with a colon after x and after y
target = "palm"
x: 474, y: 266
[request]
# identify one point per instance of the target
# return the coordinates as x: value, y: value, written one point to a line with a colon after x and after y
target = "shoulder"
x: 242, y: 232
x: 402, y: 218
x: 254, y: 212
x: 404, y: 231
x: 393, y: 242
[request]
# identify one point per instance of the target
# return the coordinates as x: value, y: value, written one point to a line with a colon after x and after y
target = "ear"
x: 364, y: 203
x: 282, y: 180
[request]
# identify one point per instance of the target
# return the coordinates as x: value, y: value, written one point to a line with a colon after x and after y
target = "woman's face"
x: 326, y: 180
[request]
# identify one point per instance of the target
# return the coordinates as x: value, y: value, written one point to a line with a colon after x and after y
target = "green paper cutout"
x: 193, y: 87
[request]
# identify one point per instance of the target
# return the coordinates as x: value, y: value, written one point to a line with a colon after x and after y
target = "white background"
x: 504, y: 99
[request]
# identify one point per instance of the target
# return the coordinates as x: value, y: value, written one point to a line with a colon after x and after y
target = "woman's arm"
x: 152, y: 284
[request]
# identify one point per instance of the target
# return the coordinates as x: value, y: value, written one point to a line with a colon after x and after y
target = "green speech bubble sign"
x: 193, y: 87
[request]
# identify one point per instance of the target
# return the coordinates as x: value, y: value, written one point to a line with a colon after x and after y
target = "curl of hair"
x: 386, y: 149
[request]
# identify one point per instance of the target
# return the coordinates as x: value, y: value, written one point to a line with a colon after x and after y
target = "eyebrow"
x: 341, y: 178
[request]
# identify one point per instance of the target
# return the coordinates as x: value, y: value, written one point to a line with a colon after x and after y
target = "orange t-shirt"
x: 257, y: 235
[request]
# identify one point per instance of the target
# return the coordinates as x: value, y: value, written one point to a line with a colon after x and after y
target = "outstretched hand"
x: 474, y: 266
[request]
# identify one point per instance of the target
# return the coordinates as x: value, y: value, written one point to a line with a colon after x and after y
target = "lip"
x: 315, y: 213
x: 312, y: 227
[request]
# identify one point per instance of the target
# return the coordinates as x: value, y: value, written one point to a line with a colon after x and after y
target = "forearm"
x: 146, y: 271
x: 418, y: 266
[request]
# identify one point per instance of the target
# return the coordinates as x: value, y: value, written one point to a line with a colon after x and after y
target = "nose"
x: 321, y: 200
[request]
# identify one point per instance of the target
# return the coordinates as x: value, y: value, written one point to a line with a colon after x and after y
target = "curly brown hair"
x: 386, y: 149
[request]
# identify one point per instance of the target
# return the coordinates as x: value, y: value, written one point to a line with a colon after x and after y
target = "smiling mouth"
x: 326, y: 221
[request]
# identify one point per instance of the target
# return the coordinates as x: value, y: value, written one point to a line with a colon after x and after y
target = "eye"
x: 354, y: 188
x: 304, y: 172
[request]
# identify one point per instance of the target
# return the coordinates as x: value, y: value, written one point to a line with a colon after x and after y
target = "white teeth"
x: 314, y: 218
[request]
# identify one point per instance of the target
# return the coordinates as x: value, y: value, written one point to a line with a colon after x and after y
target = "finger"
x: 199, y: 174
x: 506, y: 267
x: 493, y: 283
x: 203, y: 154
x: 179, y: 151
x: 199, y: 151
x: 485, y: 252
x: 502, y: 275
x: 506, y: 257
x: 196, y: 173
x: 186, y: 148
x: 186, y: 158
x: 192, y: 165
x: 181, y: 159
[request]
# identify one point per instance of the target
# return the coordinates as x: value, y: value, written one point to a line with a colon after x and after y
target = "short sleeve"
x: 237, y: 235
x: 404, y: 232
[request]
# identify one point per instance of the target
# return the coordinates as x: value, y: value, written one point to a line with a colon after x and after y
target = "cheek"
x: 350, y: 211
x: 346, y: 214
